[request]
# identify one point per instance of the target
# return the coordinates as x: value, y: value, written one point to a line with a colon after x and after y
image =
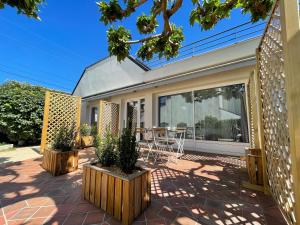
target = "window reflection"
x: 94, y: 116
x: 220, y: 114
x: 217, y: 114
x: 177, y: 111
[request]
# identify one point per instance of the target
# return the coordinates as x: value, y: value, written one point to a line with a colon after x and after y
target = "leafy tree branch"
x: 27, y: 7
x: 206, y: 13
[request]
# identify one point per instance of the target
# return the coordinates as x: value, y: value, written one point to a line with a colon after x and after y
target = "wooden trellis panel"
x: 108, y: 118
x: 278, y: 74
x: 59, y: 109
x: 253, y: 111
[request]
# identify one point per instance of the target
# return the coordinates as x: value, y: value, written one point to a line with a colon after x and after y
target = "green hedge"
x: 21, y: 112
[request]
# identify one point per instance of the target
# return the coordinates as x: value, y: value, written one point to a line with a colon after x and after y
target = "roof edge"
x: 134, y: 60
x: 217, y: 66
x: 139, y: 63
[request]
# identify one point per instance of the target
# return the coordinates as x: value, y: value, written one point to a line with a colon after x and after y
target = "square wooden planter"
x: 124, y: 198
x: 87, y: 141
x: 57, y: 162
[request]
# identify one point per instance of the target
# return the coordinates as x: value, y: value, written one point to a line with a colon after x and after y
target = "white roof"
x: 109, y: 77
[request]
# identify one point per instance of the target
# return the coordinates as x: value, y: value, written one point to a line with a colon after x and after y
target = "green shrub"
x: 85, y: 130
x: 21, y: 112
x: 128, y: 152
x: 65, y: 138
x: 94, y: 130
x: 106, y: 149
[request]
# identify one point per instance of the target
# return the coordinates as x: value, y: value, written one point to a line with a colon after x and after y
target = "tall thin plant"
x: 106, y: 148
x: 128, y: 151
x: 65, y: 138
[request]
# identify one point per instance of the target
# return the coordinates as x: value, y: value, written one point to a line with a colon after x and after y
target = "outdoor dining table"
x: 161, y: 142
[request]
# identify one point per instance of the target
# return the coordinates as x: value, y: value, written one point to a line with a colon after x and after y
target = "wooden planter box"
x: 57, y: 162
x: 87, y: 141
x: 124, y: 198
x: 254, y: 166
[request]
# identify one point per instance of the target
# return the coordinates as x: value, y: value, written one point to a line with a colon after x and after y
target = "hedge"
x: 21, y: 112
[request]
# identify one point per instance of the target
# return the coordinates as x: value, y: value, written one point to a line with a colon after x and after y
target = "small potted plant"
x: 62, y: 157
x: 86, y: 137
x: 114, y: 182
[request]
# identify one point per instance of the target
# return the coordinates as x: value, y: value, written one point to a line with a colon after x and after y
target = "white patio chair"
x: 146, y: 142
x: 160, y: 142
x: 177, y: 137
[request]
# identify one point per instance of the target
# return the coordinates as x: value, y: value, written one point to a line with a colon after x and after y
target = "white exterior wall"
x: 222, y: 67
x: 107, y: 75
x: 208, y: 60
x: 151, y: 95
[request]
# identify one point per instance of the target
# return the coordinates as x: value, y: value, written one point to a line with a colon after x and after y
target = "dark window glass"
x: 216, y: 114
x: 177, y: 111
x: 220, y: 114
x: 94, y: 116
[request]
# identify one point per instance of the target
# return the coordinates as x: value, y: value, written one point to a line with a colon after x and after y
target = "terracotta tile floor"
x: 199, y: 189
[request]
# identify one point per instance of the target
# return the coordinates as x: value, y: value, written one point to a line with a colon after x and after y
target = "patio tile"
x: 181, y: 219
x: 40, y: 201
x: 56, y: 220
x: 168, y: 213
x: 2, y: 220
x: 44, y: 211
x: 14, y: 206
x: 36, y: 221
x: 273, y: 214
x: 139, y: 223
x: 75, y: 219
x: 84, y: 207
x: 16, y: 222
x: 157, y: 221
x: 182, y: 193
x: 23, y: 213
x: 94, y: 218
x: 111, y: 221
x: 63, y: 209
x: 214, y: 204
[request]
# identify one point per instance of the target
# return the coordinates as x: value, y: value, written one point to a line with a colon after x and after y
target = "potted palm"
x: 85, y: 136
x: 62, y: 157
x: 114, y: 182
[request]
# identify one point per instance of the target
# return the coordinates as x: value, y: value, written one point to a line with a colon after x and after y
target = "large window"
x: 217, y: 114
x: 177, y: 111
x: 94, y: 116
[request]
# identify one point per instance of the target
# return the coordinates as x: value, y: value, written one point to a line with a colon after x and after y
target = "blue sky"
x: 54, y: 52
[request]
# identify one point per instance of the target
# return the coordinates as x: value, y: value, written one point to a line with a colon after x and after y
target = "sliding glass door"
x: 135, y: 114
x: 220, y: 114
x: 216, y: 114
x: 177, y: 111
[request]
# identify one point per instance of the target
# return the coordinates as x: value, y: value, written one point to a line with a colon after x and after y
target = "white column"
x: 149, y: 110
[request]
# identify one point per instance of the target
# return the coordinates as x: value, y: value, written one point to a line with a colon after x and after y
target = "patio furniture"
x: 146, y: 141
x: 176, y: 140
x: 160, y: 139
x: 166, y: 140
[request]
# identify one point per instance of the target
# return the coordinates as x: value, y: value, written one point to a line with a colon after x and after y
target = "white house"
x: 207, y: 94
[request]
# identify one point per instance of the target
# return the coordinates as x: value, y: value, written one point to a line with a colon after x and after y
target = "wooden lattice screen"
x: 108, y: 118
x: 279, y: 100
x: 253, y: 112
x: 59, y: 109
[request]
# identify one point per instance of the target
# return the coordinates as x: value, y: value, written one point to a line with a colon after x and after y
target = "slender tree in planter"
x: 106, y: 149
x: 62, y: 157
x: 128, y: 152
x: 65, y: 138
x: 117, y: 185
x: 86, y: 137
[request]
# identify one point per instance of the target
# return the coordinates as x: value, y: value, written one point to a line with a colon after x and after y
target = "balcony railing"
x: 227, y: 37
